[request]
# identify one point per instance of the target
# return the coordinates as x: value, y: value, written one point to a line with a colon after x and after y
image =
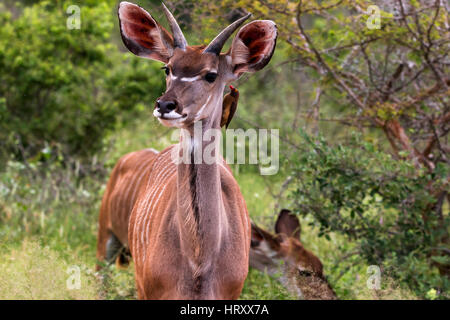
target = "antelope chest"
x: 168, y: 247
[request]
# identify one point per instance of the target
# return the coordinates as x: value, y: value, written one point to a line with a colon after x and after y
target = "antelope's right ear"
x: 288, y: 224
x: 142, y: 35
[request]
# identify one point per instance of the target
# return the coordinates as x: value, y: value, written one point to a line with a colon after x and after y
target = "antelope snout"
x: 166, y: 106
x: 167, y: 109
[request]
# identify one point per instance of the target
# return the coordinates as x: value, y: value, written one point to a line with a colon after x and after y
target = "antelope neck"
x: 199, y: 198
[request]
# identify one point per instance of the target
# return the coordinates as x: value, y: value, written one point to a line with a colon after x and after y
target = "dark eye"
x: 211, y: 77
x: 305, y: 273
x: 166, y: 70
x: 254, y: 243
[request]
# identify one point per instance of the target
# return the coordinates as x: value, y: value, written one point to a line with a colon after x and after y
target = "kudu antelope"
x: 301, y: 271
x: 188, y: 231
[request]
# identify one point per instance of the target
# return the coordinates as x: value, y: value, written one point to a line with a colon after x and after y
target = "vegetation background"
x: 363, y: 115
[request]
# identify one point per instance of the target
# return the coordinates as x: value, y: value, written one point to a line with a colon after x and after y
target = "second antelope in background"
x: 189, y: 230
x: 302, y: 271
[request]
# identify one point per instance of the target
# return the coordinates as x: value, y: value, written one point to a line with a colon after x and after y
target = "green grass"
x: 48, y: 222
x: 32, y: 271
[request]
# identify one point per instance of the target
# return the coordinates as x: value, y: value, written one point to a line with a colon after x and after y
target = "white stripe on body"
x: 134, y: 185
x: 116, y: 202
x: 153, y: 150
x: 166, y: 173
x: 141, y: 213
x: 150, y: 206
x: 144, y: 164
x: 161, y: 170
x: 153, y: 182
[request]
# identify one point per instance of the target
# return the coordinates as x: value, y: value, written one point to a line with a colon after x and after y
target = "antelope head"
x: 302, y: 271
x: 196, y: 76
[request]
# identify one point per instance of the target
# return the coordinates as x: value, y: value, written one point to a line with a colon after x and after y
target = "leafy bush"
x: 65, y: 88
x: 382, y: 204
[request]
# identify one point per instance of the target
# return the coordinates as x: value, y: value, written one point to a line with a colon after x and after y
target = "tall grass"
x: 32, y: 271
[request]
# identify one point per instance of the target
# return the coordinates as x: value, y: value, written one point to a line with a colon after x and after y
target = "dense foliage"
x: 62, y: 90
x: 381, y: 204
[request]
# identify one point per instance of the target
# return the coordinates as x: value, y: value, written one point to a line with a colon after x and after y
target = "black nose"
x: 166, y: 106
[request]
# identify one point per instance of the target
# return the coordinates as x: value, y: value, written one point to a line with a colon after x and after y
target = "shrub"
x: 381, y: 204
x: 66, y: 88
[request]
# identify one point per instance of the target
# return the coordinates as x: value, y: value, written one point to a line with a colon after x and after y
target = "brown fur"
x: 189, y: 230
x: 302, y: 270
x: 167, y: 247
x: 119, y: 198
x: 136, y: 171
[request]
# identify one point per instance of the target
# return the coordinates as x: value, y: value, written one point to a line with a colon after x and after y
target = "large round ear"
x: 288, y: 224
x: 253, y: 46
x: 142, y: 35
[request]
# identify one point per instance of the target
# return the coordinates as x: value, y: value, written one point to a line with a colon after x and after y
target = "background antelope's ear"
x: 256, y: 236
x: 253, y: 46
x: 260, y: 235
x: 288, y: 224
x: 142, y: 35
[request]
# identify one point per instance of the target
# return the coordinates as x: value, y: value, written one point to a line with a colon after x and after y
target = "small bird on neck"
x: 229, y: 106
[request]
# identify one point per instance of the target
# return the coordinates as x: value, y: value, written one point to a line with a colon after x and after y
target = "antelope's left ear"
x: 253, y: 46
